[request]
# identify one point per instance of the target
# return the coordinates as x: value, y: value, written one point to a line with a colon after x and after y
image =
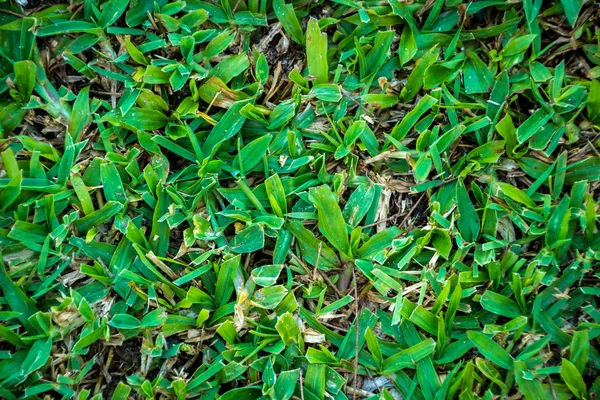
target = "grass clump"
x: 308, y: 200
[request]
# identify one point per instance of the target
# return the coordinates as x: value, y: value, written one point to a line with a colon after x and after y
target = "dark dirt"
x: 127, y: 357
x: 152, y: 374
x: 126, y: 361
x: 110, y: 387
x: 32, y: 4
x: 288, y: 59
x: 177, y: 97
x: 397, y: 213
x: 420, y: 215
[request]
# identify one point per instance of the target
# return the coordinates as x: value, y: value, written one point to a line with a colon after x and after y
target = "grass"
x: 309, y: 200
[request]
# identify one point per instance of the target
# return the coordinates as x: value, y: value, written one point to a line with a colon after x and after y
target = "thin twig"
x: 324, y: 276
x: 356, y: 333
x: 381, y: 221
x: 321, y: 273
x: 552, y: 389
x: 212, y: 101
x: 9, y: 12
x: 75, y: 13
x: 374, y: 380
x: 103, y: 92
x: 339, y: 328
x: 301, y: 386
x: 236, y: 6
x: 444, y: 182
x: 371, y: 113
x: 295, y: 257
x: 592, y: 147
x: 410, y: 212
x: 318, y: 259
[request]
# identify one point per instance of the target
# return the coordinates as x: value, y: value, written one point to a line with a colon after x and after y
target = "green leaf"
x: 244, y: 393
x: 276, y: 195
x: 500, y: 305
x: 331, y: 220
x: 154, y: 318
x: 269, y: 297
x: 288, y: 328
x: 422, y: 167
x: 488, y: 153
x: 531, y: 388
x: 491, y: 350
x: 37, y: 357
x: 135, y: 53
x: 491, y: 373
x: 478, y: 78
x: 194, y: 18
x: 415, y: 79
x: 468, y: 221
x: 138, y: 118
x: 313, y: 249
x: 286, y: 384
x: 515, y: 194
x: 380, y: 100
x: 97, y: 217
x: 315, y: 380
x: 442, y: 243
x: 266, y: 275
x: 121, y: 392
x: 252, y: 238
x: 218, y: 44
x: 125, y: 321
x: 580, y: 349
x: 408, y: 122
x: 11, y: 191
x: 534, y: 123
x: 90, y: 338
x: 229, y: 124
x: 68, y: 27
x: 374, y: 348
x: 593, y: 101
x: 287, y: 16
x: 407, y: 358
x: 25, y: 78
x: 573, y: 379
x: 17, y: 300
x: 80, y: 116
x: 358, y: 204
x: 316, y: 52
x: 408, y: 45
x: 111, y: 11
x: 517, y: 45
x: 558, y: 223
x: 572, y: 8
x: 326, y: 92
x: 498, y: 96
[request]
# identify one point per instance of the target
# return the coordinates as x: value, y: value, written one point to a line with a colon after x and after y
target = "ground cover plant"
x: 311, y: 199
